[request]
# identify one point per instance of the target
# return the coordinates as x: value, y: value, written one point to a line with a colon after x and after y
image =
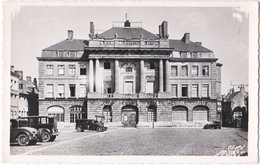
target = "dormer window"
x: 107, y: 65
x: 129, y: 69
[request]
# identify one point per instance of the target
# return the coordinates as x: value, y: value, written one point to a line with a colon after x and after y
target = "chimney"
x: 199, y: 43
x: 165, y: 29
x: 20, y: 73
x: 92, y: 30
x: 70, y: 35
x: 28, y: 78
x: 186, y: 38
x: 160, y: 31
x: 12, y: 68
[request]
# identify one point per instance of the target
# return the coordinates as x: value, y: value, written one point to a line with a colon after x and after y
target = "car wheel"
x: 99, y: 129
x: 23, y: 139
x: 53, y: 138
x: 79, y: 129
x: 46, y: 137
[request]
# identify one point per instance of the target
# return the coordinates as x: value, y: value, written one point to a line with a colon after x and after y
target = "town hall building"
x: 130, y: 76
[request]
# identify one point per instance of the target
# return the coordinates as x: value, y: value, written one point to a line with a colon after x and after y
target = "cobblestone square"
x: 140, y: 141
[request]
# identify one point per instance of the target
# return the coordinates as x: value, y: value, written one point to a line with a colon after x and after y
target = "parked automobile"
x: 213, y: 125
x: 46, y: 126
x: 90, y: 124
x: 21, y: 133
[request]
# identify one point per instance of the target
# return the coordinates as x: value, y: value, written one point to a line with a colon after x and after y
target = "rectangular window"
x: 49, y: 90
x: 61, y: 89
x: 72, y: 90
x: 184, y: 71
x: 60, y: 53
x: 205, y: 90
x: 82, y: 90
x: 107, y: 87
x: 195, y: 71
x: 72, y: 70
x: 49, y: 70
x: 194, y: 55
x: 205, y: 70
x: 61, y: 69
x: 107, y: 65
x: 194, y: 90
x: 174, y: 90
x: 72, y: 54
x: 184, y: 54
x: 184, y: 90
x: 174, y: 71
x: 83, y: 69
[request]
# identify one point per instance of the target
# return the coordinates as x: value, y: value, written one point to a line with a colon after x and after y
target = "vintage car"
x: 21, y: 133
x: 46, y: 126
x: 90, y: 124
x: 213, y: 125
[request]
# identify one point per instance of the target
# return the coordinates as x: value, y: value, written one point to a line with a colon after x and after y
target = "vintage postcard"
x: 130, y: 82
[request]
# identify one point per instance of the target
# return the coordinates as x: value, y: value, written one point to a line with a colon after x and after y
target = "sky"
x: 224, y: 30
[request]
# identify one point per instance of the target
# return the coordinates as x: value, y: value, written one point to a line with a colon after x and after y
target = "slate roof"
x: 127, y: 33
x: 232, y: 95
x: 75, y: 44
x: 180, y: 45
x: 28, y: 87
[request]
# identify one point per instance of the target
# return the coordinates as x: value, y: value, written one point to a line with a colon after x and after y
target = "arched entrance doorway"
x: 107, y: 113
x: 179, y: 113
x: 129, y: 116
x: 201, y: 113
x: 58, y: 112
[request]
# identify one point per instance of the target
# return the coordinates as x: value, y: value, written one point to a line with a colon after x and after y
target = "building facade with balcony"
x: 130, y: 75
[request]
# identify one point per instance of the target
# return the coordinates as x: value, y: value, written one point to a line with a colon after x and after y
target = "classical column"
x: 98, y: 77
x: 142, y: 79
x: 90, y: 77
x: 116, y: 76
x: 161, y: 76
x: 167, y: 76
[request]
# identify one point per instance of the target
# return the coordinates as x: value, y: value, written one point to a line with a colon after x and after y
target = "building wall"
x: 14, y: 97
x: 23, y: 105
x: 164, y: 109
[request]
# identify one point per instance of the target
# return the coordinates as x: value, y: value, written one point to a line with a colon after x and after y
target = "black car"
x: 89, y: 124
x: 213, y: 125
x: 46, y: 127
x: 21, y: 133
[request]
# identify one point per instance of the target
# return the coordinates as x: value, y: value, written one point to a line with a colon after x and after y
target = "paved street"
x: 140, y: 141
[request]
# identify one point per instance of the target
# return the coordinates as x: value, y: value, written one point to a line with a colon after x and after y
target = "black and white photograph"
x: 134, y: 82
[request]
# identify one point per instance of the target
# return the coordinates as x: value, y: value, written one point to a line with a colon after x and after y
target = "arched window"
x: 200, y: 113
x: 129, y: 69
x: 76, y: 113
x: 58, y: 112
x: 107, y: 112
x: 179, y: 113
x: 151, y: 113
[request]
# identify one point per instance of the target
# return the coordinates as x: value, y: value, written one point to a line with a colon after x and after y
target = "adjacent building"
x: 130, y: 75
x: 24, y: 95
x: 235, y: 108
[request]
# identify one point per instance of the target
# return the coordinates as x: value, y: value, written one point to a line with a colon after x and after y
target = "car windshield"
x: 23, y: 123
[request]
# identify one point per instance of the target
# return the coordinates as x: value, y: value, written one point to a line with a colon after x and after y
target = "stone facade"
x: 150, y: 79
x: 24, y: 95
